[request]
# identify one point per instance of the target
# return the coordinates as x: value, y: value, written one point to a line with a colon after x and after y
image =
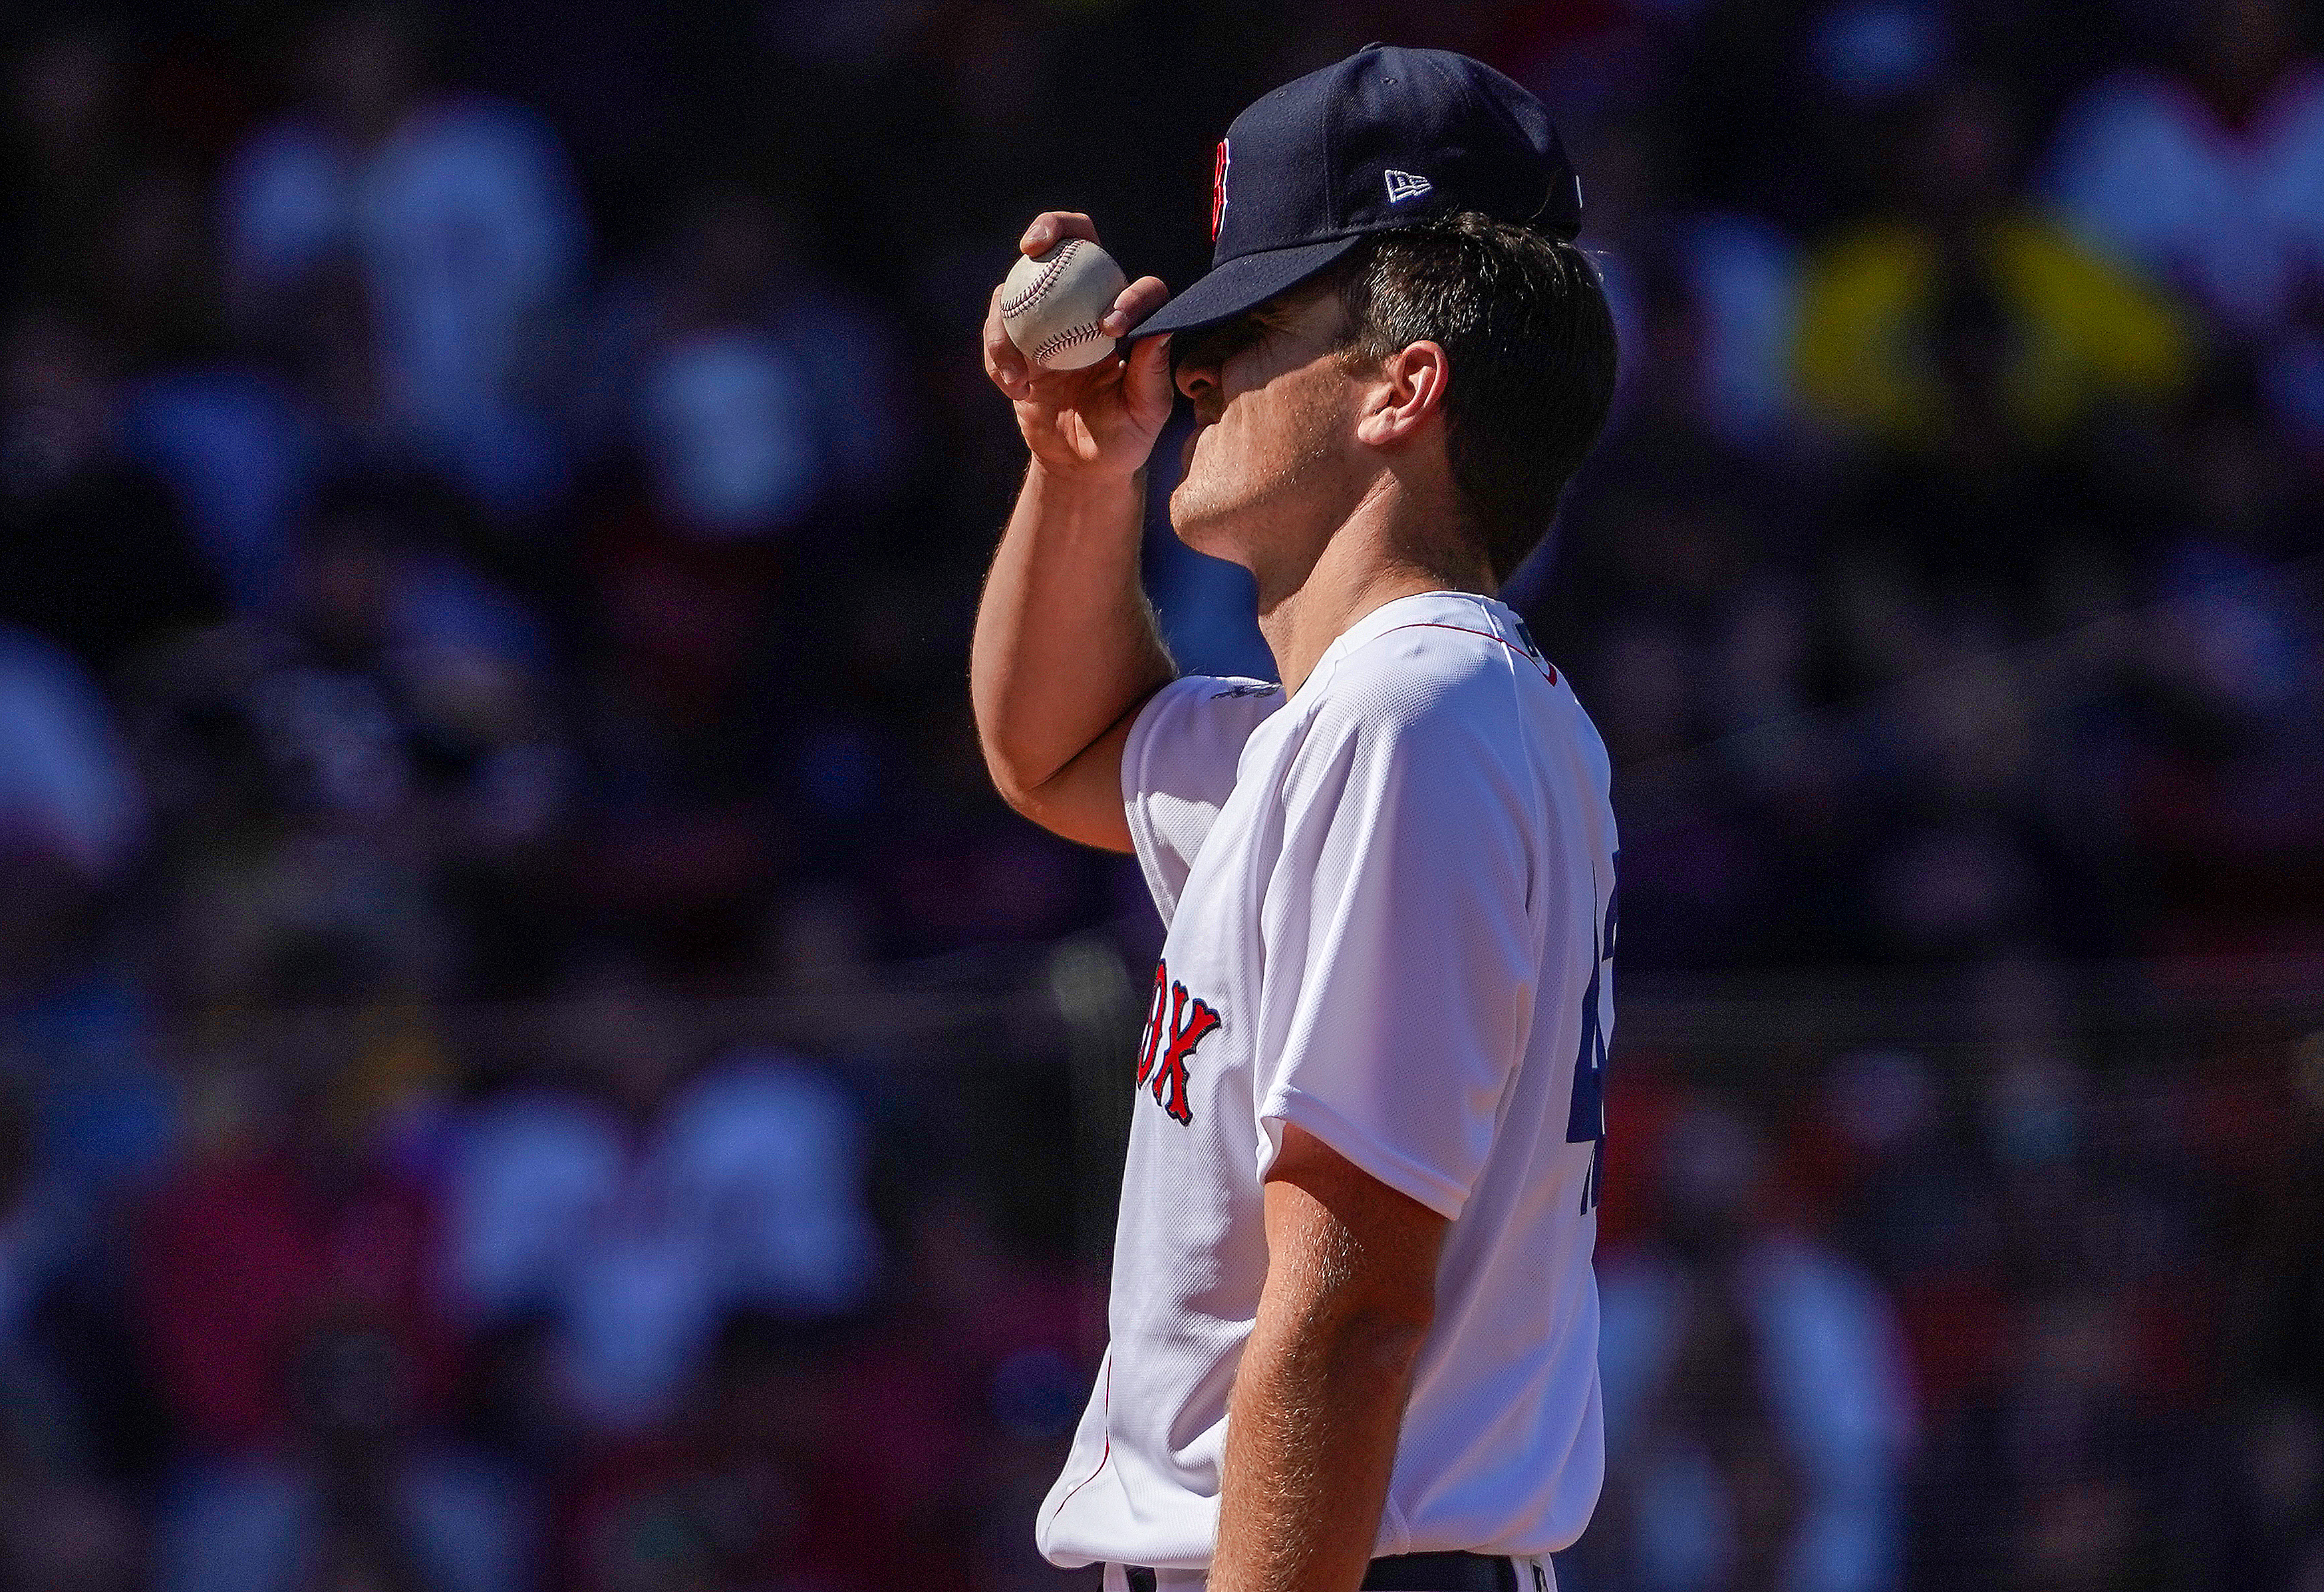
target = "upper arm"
x: 1342, y: 1243
x: 1154, y: 780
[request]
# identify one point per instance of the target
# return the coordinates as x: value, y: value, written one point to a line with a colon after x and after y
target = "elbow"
x: 1006, y: 782
x: 1004, y: 761
x: 1015, y: 780
x: 1043, y: 800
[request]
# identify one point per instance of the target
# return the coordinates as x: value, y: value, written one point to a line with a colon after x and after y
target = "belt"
x: 1406, y: 1572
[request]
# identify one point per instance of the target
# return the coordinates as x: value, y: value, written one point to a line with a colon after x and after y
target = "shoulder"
x: 1435, y: 701
x: 1199, y: 715
x: 1240, y: 695
x: 1437, y: 668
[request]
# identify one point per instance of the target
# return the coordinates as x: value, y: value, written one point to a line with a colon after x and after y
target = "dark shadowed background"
x: 532, y: 1061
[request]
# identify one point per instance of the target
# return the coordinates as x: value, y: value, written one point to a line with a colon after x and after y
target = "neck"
x: 1390, y: 546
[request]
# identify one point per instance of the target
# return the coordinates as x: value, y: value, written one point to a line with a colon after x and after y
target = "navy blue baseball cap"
x: 1384, y: 139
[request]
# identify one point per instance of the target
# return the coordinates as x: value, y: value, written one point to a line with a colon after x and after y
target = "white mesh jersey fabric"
x: 1389, y: 902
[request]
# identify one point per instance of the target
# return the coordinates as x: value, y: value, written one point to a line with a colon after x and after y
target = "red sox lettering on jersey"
x: 1174, y: 1025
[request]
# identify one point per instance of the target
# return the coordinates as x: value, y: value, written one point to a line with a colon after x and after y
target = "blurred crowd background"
x: 532, y: 1060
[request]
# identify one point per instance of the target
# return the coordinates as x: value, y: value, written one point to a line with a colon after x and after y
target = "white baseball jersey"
x: 1391, y: 920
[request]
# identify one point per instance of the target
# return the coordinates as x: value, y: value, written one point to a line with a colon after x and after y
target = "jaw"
x: 1240, y: 521
x: 1260, y: 537
x: 1271, y: 511
x: 1202, y: 506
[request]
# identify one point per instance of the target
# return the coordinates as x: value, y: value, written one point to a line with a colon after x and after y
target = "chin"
x: 1202, y: 525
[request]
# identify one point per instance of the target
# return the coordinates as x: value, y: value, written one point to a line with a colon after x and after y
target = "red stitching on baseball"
x: 1068, y: 338
x: 1041, y: 284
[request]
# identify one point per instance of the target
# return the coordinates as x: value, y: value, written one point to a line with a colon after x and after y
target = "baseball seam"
x: 1070, y: 338
x: 1038, y: 288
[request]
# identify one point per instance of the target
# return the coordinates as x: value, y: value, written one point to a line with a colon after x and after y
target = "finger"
x: 1051, y: 227
x: 1133, y: 304
x: 1146, y: 386
x: 1004, y: 362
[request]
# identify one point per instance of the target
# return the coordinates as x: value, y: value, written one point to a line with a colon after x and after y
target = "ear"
x: 1405, y: 395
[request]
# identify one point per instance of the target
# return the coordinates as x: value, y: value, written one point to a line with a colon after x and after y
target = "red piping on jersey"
x: 1547, y: 672
x: 1106, y: 1454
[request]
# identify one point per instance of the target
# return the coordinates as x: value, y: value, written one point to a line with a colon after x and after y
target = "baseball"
x: 1051, y: 303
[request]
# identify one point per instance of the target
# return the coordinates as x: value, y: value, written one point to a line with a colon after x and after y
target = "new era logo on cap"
x: 1405, y: 185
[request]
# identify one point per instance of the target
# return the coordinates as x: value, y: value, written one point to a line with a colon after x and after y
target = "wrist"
x: 1071, y: 477
x: 1092, y: 494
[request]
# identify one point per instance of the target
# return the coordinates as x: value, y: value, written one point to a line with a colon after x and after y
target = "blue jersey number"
x: 1586, y: 1125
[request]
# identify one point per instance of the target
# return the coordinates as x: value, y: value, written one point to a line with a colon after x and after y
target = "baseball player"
x: 1353, y: 1324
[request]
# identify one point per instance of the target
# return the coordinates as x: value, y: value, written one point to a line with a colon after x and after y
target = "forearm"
x: 1311, y: 1443
x: 1065, y: 644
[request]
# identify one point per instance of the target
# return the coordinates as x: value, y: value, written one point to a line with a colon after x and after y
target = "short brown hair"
x: 1523, y: 320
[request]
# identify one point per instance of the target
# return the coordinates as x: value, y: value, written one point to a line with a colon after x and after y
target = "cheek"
x: 1275, y: 420
x: 1225, y: 442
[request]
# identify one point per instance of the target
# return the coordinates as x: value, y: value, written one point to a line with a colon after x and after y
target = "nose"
x: 1198, y: 379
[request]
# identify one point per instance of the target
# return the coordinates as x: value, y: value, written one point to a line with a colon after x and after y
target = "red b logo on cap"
x: 1219, y: 190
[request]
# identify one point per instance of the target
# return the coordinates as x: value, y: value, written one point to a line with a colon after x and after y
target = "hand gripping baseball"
x: 1100, y: 419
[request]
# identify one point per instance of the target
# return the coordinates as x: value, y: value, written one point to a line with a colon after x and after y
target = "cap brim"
x: 1243, y: 283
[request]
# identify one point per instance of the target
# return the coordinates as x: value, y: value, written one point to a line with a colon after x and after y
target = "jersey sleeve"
x: 1178, y: 768
x: 1400, y: 946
